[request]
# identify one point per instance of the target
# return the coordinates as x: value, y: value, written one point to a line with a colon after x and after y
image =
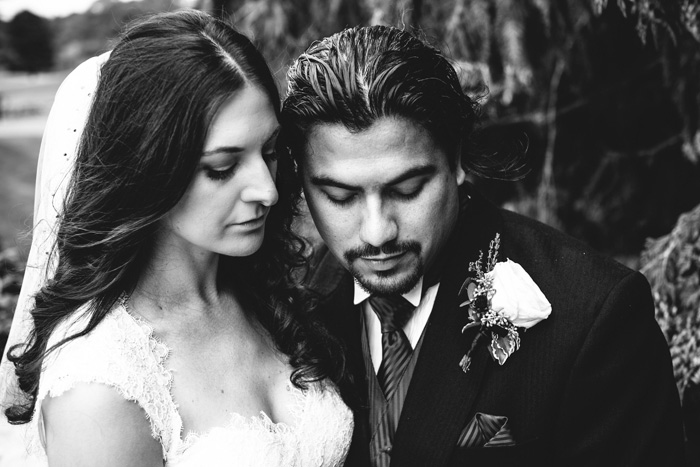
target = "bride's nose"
x: 260, y: 184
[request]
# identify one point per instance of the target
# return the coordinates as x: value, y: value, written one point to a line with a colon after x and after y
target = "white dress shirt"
x: 414, y: 327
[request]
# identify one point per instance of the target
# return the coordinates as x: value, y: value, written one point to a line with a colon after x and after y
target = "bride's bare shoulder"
x: 93, y: 424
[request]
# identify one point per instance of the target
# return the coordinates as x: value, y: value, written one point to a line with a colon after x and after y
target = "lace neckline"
x: 259, y: 422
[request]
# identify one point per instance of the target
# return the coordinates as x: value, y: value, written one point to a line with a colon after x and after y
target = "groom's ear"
x: 460, y: 174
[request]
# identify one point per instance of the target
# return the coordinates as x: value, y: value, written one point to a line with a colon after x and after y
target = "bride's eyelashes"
x: 224, y: 173
x: 219, y: 174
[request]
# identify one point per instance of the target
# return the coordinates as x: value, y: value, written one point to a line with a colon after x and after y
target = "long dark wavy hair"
x: 157, y: 94
x: 361, y: 74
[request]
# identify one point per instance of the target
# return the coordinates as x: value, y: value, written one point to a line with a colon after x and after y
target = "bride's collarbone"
x: 232, y: 346
x: 228, y: 370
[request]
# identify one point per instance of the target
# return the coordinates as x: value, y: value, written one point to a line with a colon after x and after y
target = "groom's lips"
x: 383, y: 262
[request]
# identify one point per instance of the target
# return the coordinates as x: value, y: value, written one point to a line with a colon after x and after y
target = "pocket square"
x: 486, y: 431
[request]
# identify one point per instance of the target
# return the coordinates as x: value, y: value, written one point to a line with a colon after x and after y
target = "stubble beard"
x: 389, y: 282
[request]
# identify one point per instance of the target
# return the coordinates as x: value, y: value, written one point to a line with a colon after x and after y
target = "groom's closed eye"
x: 404, y: 190
x: 407, y: 189
x: 339, y: 196
x: 334, y: 191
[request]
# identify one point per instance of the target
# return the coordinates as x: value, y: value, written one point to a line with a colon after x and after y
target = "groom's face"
x: 384, y: 199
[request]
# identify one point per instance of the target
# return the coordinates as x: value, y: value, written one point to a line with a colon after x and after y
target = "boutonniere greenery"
x: 502, y: 300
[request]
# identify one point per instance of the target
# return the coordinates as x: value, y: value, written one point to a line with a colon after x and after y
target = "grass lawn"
x: 18, y: 159
x: 25, y: 101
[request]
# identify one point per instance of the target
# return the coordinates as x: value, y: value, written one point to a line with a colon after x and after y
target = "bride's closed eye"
x: 219, y: 174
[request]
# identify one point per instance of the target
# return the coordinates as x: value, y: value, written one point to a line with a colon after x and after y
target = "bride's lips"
x: 251, y: 224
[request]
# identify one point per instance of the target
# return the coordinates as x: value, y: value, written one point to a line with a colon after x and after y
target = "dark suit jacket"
x: 591, y: 385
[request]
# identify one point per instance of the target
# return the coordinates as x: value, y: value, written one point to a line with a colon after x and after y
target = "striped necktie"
x: 393, y: 312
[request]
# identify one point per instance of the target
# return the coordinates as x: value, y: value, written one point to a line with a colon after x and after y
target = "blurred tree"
x: 84, y: 35
x: 220, y: 8
x: 395, y: 12
x: 29, y: 43
x: 672, y: 265
x: 11, y: 274
x: 284, y: 28
x: 5, y: 55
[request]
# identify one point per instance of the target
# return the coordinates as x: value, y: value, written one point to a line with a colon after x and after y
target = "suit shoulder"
x: 532, y: 241
x: 577, y: 280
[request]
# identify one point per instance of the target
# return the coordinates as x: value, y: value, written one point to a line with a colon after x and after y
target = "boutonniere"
x: 502, y: 300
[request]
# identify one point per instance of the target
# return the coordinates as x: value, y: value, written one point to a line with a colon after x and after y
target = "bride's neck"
x: 177, y: 276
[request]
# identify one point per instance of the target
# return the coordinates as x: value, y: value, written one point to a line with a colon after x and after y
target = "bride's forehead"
x: 247, y: 115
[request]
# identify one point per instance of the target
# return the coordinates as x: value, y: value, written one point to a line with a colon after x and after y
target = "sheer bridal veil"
x: 56, y: 159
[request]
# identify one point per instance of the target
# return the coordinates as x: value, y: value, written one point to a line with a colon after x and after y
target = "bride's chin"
x: 241, y: 249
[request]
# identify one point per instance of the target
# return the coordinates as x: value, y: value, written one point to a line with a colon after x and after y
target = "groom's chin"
x: 380, y: 283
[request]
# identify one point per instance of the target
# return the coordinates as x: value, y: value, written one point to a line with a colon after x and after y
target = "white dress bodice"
x: 123, y: 353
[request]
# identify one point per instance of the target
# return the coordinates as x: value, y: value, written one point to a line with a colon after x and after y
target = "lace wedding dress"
x: 122, y: 352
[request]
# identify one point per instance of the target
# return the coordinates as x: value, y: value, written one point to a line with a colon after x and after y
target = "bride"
x: 171, y: 332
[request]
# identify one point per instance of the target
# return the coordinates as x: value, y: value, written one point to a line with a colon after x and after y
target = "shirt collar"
x: 413, y: 296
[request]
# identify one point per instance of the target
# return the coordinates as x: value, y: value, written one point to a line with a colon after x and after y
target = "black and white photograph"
x: 361, y: 233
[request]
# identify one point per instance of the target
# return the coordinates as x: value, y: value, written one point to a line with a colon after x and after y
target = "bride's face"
x: 229, y: 198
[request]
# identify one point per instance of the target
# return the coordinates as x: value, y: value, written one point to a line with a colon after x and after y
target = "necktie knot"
x: 393, y: 311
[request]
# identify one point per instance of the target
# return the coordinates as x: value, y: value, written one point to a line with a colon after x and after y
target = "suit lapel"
x: 441, y: 395
x: 334, y: 286
x: 346, y: 324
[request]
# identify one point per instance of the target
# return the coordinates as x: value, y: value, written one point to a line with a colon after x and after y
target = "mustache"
x: 390, y: 248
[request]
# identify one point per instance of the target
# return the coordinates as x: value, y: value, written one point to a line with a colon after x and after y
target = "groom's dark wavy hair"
x: 362, y: 74
x: 157, y: 95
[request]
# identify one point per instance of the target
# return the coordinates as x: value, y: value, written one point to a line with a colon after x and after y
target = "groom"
x: 377, y: 124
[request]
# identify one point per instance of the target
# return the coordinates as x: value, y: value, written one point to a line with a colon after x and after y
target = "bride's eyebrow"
x: 223, y: 150
x: 235, y: 150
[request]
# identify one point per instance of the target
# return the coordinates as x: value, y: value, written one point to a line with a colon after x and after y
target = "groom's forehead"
x: 323, y: 140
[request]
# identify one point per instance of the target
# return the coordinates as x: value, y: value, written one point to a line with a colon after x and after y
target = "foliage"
x: 655, y: 15
x: 672, y: 265
x: 85, y: 35
x: 282, y: 29
x: 11, y: 273
x: 29, y: 43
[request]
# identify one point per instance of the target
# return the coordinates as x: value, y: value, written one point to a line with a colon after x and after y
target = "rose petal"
x: 517, y: 296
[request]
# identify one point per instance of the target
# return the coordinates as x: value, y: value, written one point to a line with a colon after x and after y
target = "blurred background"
x: 604, y: 95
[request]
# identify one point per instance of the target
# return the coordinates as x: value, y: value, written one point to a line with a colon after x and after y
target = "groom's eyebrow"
x: 420, y: 171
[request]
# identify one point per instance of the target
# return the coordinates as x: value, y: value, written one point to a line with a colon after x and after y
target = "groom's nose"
x: 378, y: 225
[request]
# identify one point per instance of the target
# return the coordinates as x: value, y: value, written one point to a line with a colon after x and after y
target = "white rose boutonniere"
x: 502, y: 301
x: 517, y: 296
